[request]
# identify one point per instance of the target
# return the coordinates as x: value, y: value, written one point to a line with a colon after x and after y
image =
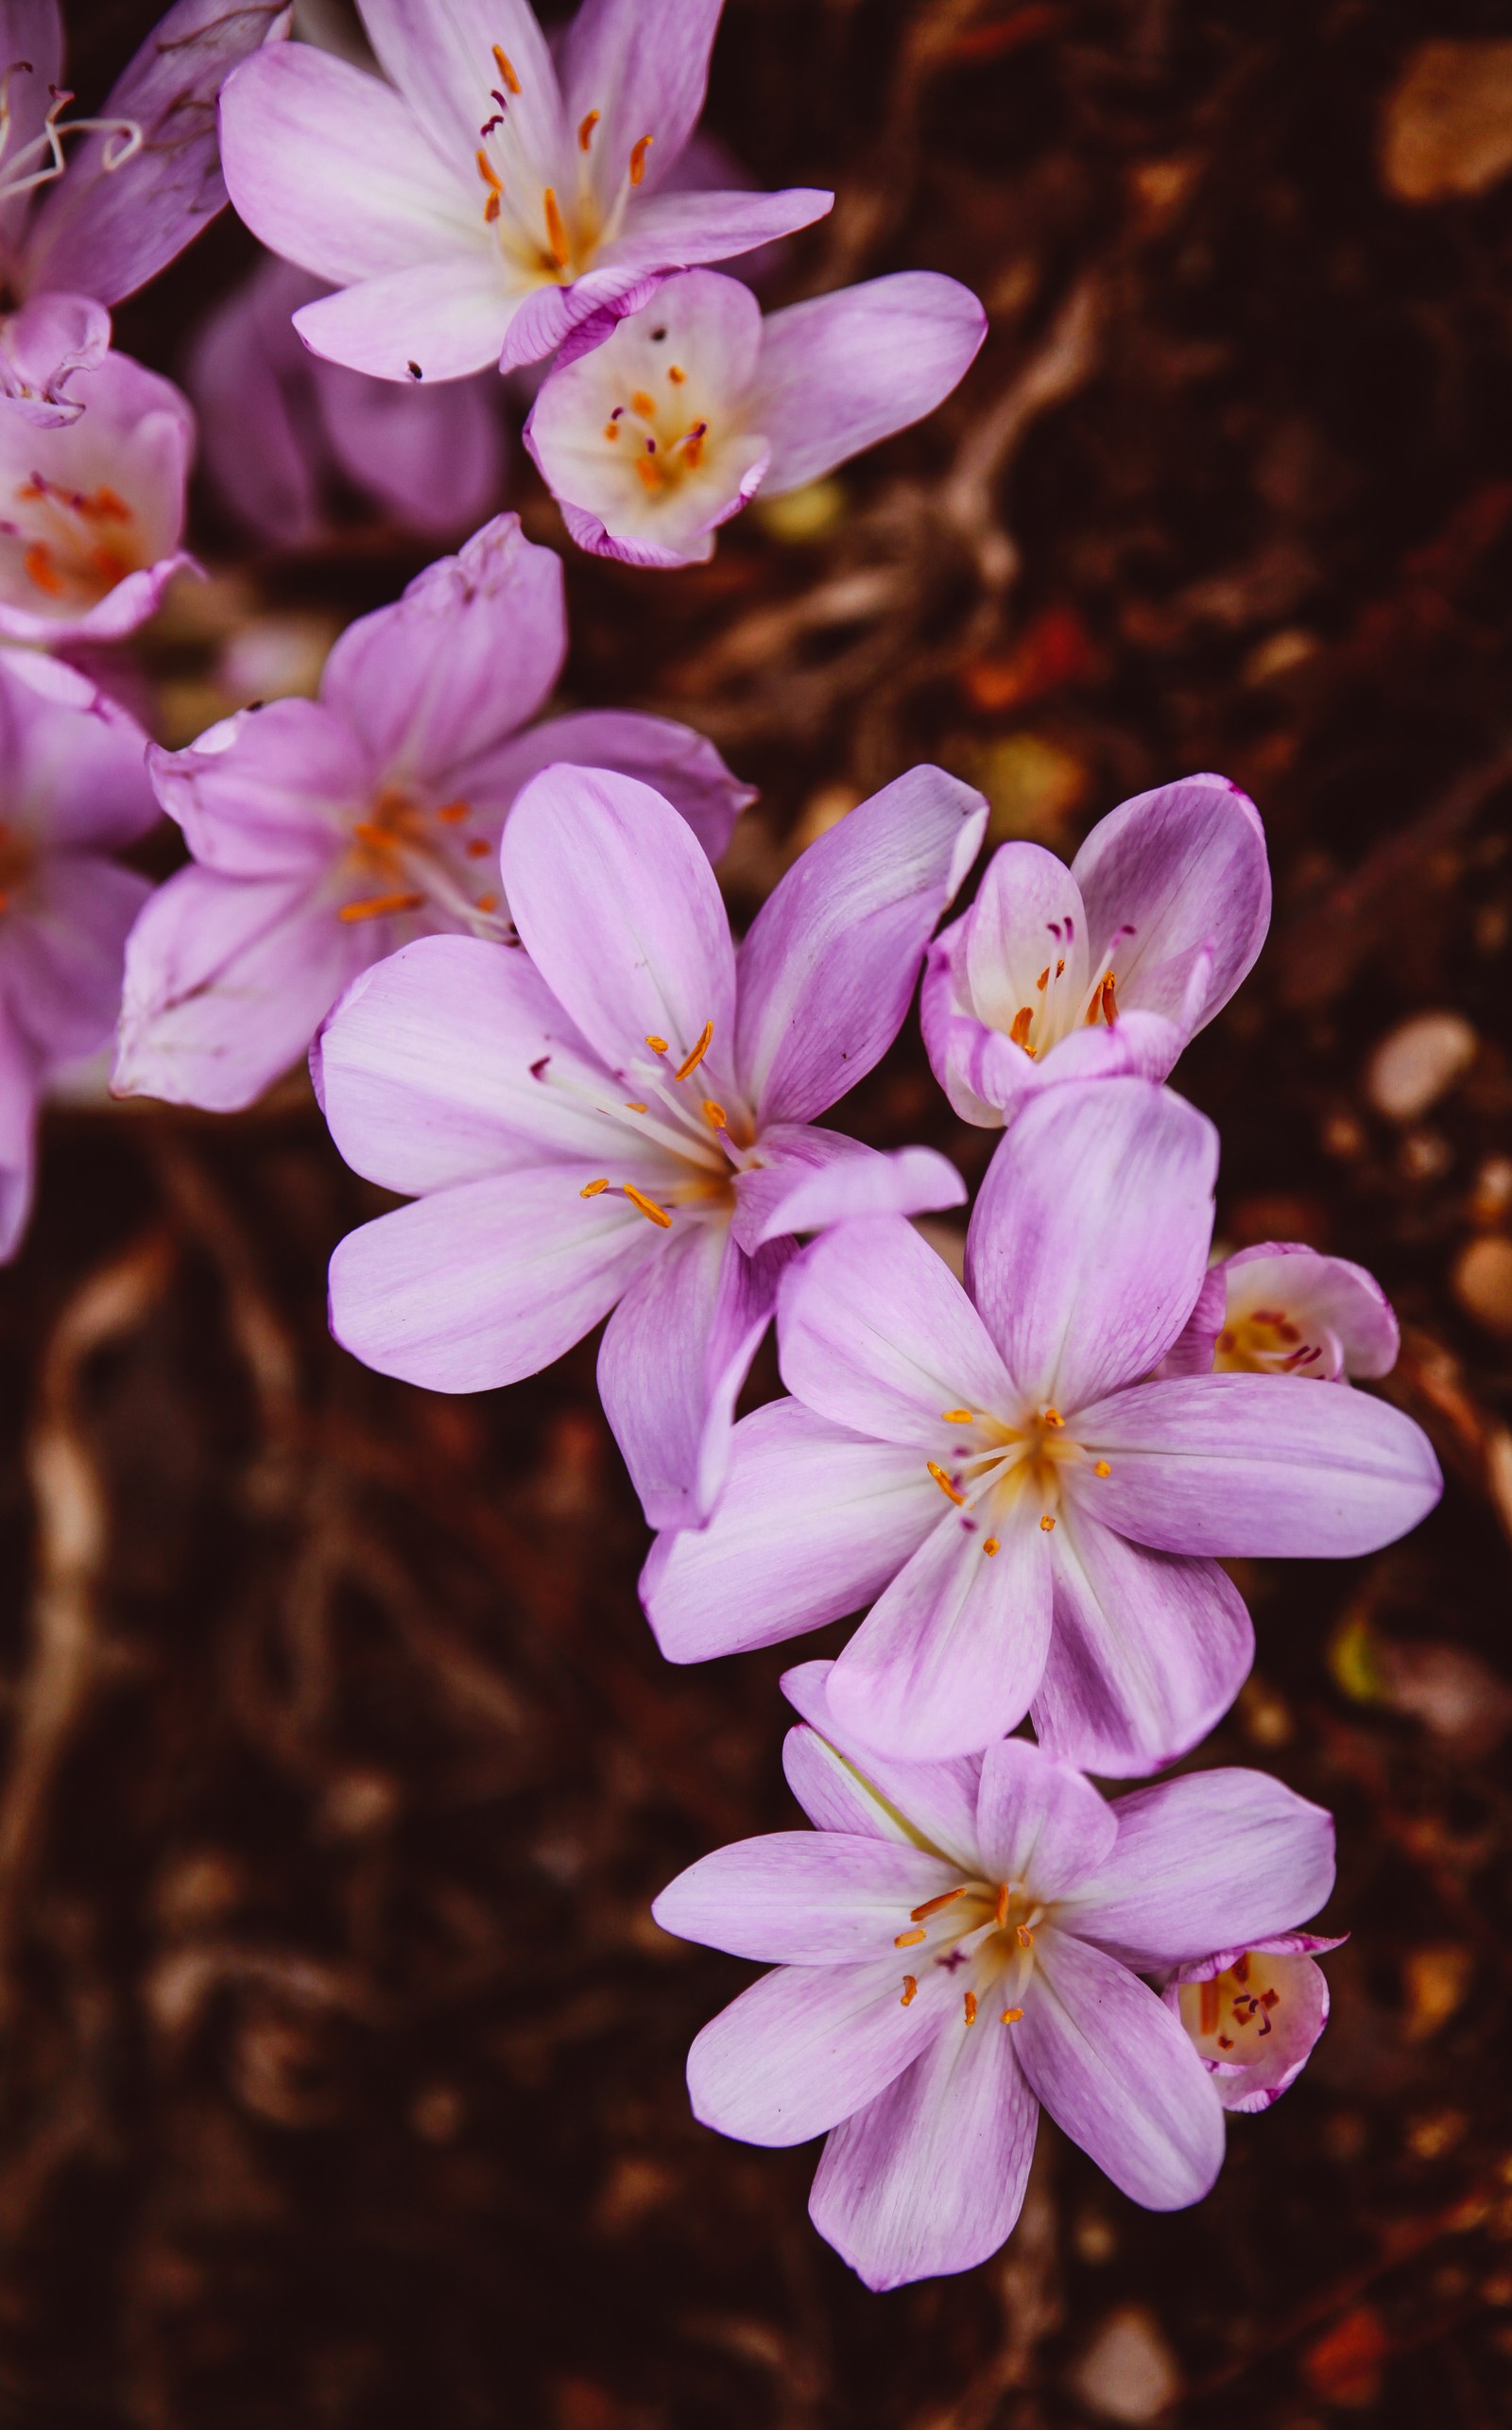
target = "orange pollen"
x: 1209, y: 2004
x: 612, y: 430
x: 675, y: 374
x: 909, y: 1939
x: 592, y: 1189
x: 1043, y: 980
x: 1019, y: 1034
x: 933, y: 1906
x: 943, y: 1482
x: 1102, y: 1469
x: 42, y: 571
x: 1046, y: 1524
x: 488, y: 903
x: 1024, y: 1937
x: 555, y: 230
x: 648, y: 1207
x: 692, y: 1062
x: 1001, y: 1909
x: 958, y: 1417
x: 716, y: 1116
x: 478, y: 847
x: 378, y: 906
x: 490, y: 209
x: 643, y: 405
x: 638, y: 158
x: 1011, y: 2016
x: 585, y: 129
x: 452, y: 813
x: 1059, y: 967
x: 970, y: 2008
x: 910, y: 1989
x: 1103, y: 1004
x: 488, y: 173
x: 506, y: 70
x: 632, y: 1105
x: 991, y: 1548
x: 657, y: 1045
x: 1054, y: 1418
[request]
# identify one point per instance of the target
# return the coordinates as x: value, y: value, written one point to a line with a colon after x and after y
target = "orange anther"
x: 933, y: 1906
x: 378, y: 839
x: 612, y: 430
x: 1001, y: 1911
x: 648, y: 1207
x: 41, y: 570
x: 970, y: 2008
x: 991, y: 1548
x: 909, y: 1939
x: 488, y: 173
x: 943, y: 1482
x: 638, y: 158
x: 452, y: 813
x: 714, y: 1114
x: 506, y: 70
x: 377, y: 907
x: 1011, y: 2016
x: 592, y: 1189
x: 555, y: 230
x: 1043, y: 980
x: 1102, y: 1469
x: 1054, y: 1418
x: 643, y: 405
x: 1209, y: 2004
x: 910, y: 1988
x: 478, y: 847
x: 675, y: 374
x: 958, y: 1417
x: 490, y: 209
x: 585, y: 128
x: 1025, y: 1937
x: 1046, y: 1524
x: 488, y: 903
x: 1022, y: 1021
x: 657, y: 1045
x: 692, y: 1062
x: 633, y: 1104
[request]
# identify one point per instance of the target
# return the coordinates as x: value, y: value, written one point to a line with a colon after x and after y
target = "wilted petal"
x: 680, y: 765
x: 830, y: 964
x: 929, y: 2178
x: 1147, y: 1652
x: 267, y: 792
x: 950, y: 1654
x: 877, y: 1334
x: 620, y: 914
x: 1118, y: 2075
x: 43, y: 345
x: 1039, y: 1822
x: 843, y: 371
x: 1212, y: 1861
x: 807, y: 2046
x: 483, y: 1284
x: 802, y: 1898
x: 1167, y: 875
x: 813, y: 1178
x: 1250, y: 1465
x: 811, y: 1524
x: 1089, y: 1240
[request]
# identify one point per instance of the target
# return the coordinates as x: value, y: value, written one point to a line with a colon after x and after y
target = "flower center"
x: 1054, y: 1012
x: 991, y: 1464
x: 985, y: 1933
x: 549, y: 233
x: 1265, y: 1341
x: 657, y: 435
x: 75, y: 545
x: 705, y: 1143
x: 404, y: 855
x: 1232, y: 2016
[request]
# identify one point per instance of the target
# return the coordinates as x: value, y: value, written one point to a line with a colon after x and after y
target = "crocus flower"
x: 1111, y: 965
x: 654, y: 431
x: 1035, y: 1522
x: 92, y: 510
x: 73, y: 789
x: 480, y: 205
x: 1254, y: 2015
x: 79, y: 232
x: 326, y: 833
x: 1286, y: 1309
x: 281, y: 427
x: 623, y: 1116
x: 961, y: 1944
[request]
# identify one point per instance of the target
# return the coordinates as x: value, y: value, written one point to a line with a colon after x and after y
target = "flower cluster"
x: 494, y: 928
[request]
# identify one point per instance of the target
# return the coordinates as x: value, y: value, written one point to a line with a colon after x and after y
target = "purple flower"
x: 1286, y: 1309
x: 1253, y: 2014
x: 1110, y: 966
x: 325, y: 833
x: 623, y: 1117
x: 961, y: 1945
x: 79, y: 234
x: 92, y: 510
x: 481, y: 206
x: 652, y: 435
x: 281, y: 424
x: 1035, y: 1522
x: 73, y: 789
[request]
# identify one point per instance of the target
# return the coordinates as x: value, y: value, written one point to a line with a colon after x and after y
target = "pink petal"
x: 442, y: 63
x: 77, y: 780
x: 1212, y: 1861
x: 807, y: 2046
x: 61, y: 949
x: 20, y: 1078
x: 843, y: 371
x: 802, y: 1898
x: 929, y: 2178
x: 46, y: 342
x: 438, y: 319
x: 1168, y: 875
x: 682, y: 765
x: 267, y: 792
x: 1089, y: 1240
x: 1260, y: 2064
x: 1028, y: 920
x: 933, y: 1804
x: 1326, y: 1293
x: 811, y: 1179
x: 1039, y: 1822
x: 643, y: 68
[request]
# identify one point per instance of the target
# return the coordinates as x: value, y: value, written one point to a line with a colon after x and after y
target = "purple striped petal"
x: 1255, y: 2030
x: 807, y: 2046
x: 842, y: 371
x: 937, y: 1801
x: 812, y: 1177
x: 1212, y: 1861
x: 1039, y: 1822
x: 267, y: 793
x: 803, y: 1898
x: 1168, y: 878
x: 682, y: 765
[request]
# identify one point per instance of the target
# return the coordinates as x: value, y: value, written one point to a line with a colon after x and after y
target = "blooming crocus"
x: 281, y: 427
x: 490, y: 196
x: 327, y: 833
x: 1035, y: 1522
x: 623, y: 1115
x: 1284, y: 1309
x: 956, y: 1946
x: 79, y: 232
x: 1254, y: 2015
x: 1109, y: 966
x: 92, y: 510
x: 73, y: 789
x: 654, y: 436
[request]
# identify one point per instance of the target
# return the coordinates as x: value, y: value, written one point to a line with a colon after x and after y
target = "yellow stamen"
x: 585, y: 129
x: 958, y: 1417
x: 1011, y: 2016
x: 1002, y: 1910
x: 716, y: 1116
x: 592, y: 1189
x: 1023, y: 1019
x: 377, y: 907
x: 1054, y: 1418
x: 451, y: 814
x: 1046, y: 1524
x: 691, y: 1063
x: 943, y: 1482
x: 638, y: 158
x: 633, y: 1104
x: 933, y: 1906
x: 657, y: 1045
x: 1102, y: 1469
x: 991, y: 1548
x: 555, y: 230
x: 506, y: 70
x: 970, y: 2008
x: 910, y: 1939
x: 910, y: 1988
x: 648, y: 1207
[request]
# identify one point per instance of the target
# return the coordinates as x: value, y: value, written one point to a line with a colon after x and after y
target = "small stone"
x: 1447, y: 129
x: 1129, y: 2372
x: 1413, y: 1067
x: 1482, y: 1282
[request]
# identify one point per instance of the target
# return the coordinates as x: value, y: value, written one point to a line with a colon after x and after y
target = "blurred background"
x: 340, y: 2062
